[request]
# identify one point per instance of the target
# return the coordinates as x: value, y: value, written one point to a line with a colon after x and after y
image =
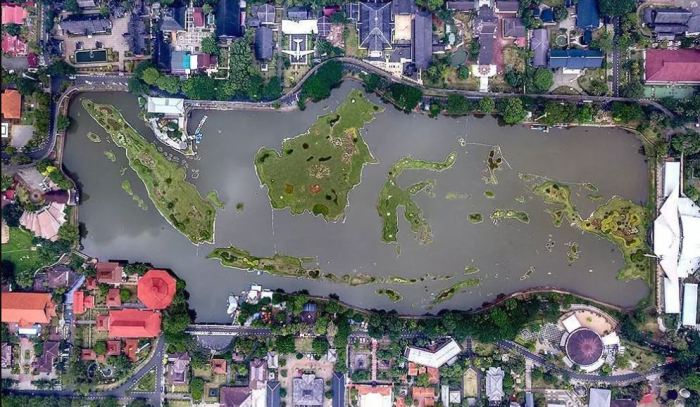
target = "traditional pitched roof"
x: 88, y: 354
x: 218, y: 366
x: 178, y: 363
x: 403, y: 7
x: 338, y: 387
x: 13, y: 14
x: 374, y: 395
x: 156, y: 289
x: 109, y: 272
x: 433, y: 358
x: 258, y: 373
x: 27, y: 308
x: 307, y: 390
x: 422, y: 39
x: 599, y: 398
x: 324, y: 26
x: 13, y: 45
x: 6, y: 355
x: 494, y: 384
x: 265, y: 13
x: 114, y: 348
x: 114, y: 299
x: 131, y: 323
x: 198, y: 17
x: 461, y: 5
x: 298, y: 13
x: 674, y: 15
x: 575, y: 58
x: 82, y: 302
x: 263, y: 43
x: 375, y: 26
x: 130, y: 347
x: 539, y: 44
x: 672, y: 66
x: 86, y: 26
x: 11, y: 104
x: 587, y: 15
x: 228, y: 18
x: 233, y: 396
x: 513, y: 27
x: 44, y: 364
x: 510, y: 7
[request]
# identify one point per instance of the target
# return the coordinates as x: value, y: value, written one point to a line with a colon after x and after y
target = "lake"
x: 510, y: 256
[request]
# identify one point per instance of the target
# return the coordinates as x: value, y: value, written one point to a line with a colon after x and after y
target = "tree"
x: 463, y: 73
x: 486, y: 105
x: 372, y: 82
x: 614, y: 8
x: 560, y: 13
x: 603, y: 42
x: 12, y: 29
x: 26, y: 86
x: 100, y: 347
x: 431, y: 5
x: 285, y: 344
x: 197, y: 388
x: 168, y: 83
x: 626, y: 112
x: 60, y: 68
x: 320, y: 345
x: 200, y: 87
x: 558, y: 113
x: 150, y: 75
x: 272, y: 89
x: 6, y: 182
x: 124, y: 295
x: 405, y: 97
x: 210, y: 46
x: 72, y: 6
x: 423, y: 380
x: 69, y: 233
x: 584, y: 114
x: 11, y: 214
x: 542, y: 80
x: 63, y: 123
x: 688, y: 144
x: 633, y: 90
x: 512, y: 111
x: 458, y: 105
x: 319, y: 85
x: 136, y: 86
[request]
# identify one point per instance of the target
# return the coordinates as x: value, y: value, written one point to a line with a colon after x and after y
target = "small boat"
x: 232, y: 304
x: 540, y: 127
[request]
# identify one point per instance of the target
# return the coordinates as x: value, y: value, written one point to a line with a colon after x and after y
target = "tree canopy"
x: 614, y: 8
x: 512, y: 110
x: 320, y: 84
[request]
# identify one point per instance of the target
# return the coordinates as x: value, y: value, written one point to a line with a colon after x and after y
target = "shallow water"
x: 511, y: 256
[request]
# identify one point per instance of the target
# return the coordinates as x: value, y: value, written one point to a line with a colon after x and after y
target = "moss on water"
x: 94, y: 137
x: 476, y: 218
x: 450, y: 292
x: 471, y: 270
x: 394, y: 296
x: 489, y: 194
x: 500, y: 214
x: 110, y: 155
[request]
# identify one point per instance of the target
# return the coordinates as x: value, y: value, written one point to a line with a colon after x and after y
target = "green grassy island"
x: 393, y: 295
x: 500, y: 214
x: 450, y: 292
x: 619, y: 221
x: 316, y: 170
x: 392, y: 196
x: 177, y: 200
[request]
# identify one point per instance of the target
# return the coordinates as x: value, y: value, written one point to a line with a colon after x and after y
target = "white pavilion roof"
x: 672, y: 296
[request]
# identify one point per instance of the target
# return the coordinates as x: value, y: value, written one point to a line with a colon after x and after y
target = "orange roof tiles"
x: 11, y: 104
x: 132, y: 323
x: 114, y: 348
x: 156, y: 289
x: 27, y: 308
x: 102, y: 322
x: 88, y: 354
x: 364, y: 389
x: 109, y: 273
x: 113, y: 298
x: 420, y: 392
x: 82, y: 302
x: 91, y: 283
x: 218, y: 366
x: 433, y: 375
x: 130, y: 347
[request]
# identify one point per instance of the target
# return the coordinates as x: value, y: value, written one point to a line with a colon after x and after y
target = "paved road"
x: 616, y: 56
x: 226, y: 330
x: 623, y: 379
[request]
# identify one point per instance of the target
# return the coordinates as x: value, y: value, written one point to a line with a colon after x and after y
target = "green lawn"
x: 392, y: 196
x: 177, y: 200
x: 147, y: 382
x: 315, y: 171
x: 26, y: 257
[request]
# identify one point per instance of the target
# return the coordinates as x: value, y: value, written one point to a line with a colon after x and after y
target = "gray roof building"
x: 486, y: 28
x: 265, y: 13
x: 324, y: 26
x: 263, y: 43
x: 44, y: 364
x: 513, y: 28
x: 228, y: 18
x: 375, y: 27
x: 539, y: 44
x: 674, y: 15
x: 178, y: 365
x: 403, y: 7
x: 273, y: 393
x: 338, y: 387
x: 298, y: 13
x: 510, y: 7
x: 575, y: 58
x: 461, y: 5
x: 86, y: 3
x: 307, y: 391
x: 234, y: 396
x: 494, y: 384
x: 599, y: 398
x: 90, y: 26
x: 136, y: 36
x: 422, y: 39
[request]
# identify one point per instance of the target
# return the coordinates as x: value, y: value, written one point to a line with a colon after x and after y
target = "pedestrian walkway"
x: 374, y: 359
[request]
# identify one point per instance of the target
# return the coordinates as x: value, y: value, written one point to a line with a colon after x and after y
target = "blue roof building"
x: 587, y: 15
x: 575, y: 58
x: 338, y: 386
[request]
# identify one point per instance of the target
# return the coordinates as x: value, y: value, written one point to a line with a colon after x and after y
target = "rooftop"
x: 375, y: 27
x: 672, y: 66
x: 494, y: 384
x: 587, y: 16
x: 109, y: 272
x: 13, y: 14
x: 307, y: 391
x: 11, y: 104
x: 435, y: 358
x: 156, y: 289
x: 27, y: 308
x: 584, y: 347
x: 132, y: 323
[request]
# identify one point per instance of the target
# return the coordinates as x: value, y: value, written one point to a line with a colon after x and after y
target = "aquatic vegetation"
x: 400, y: 280
x: 450, y: 292
x: 476, y: 218
x: 471, y: 270
x: 126, y: 186
x: 177, y: 200
x: 489, y: 194
x: 213, y: 197
x: 279, y: 264
x: 494, y: 162
x: 549, y: 245
x: 389, y: 293
x: 528, y: 273
x: 520, y: 216
x: 240, y: 206
x: 392, y: 196
x: 110, y: 155
x: 590, y: 187
x: 619, y: 221
x: 451, y: 196
x: 315, y: 171
x: 520, y: 199
x: 572, y: 253
x: 594, y: 197
x: 93, y: 137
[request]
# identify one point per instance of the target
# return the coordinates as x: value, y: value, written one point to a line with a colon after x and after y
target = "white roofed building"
x: 494, y: 384
x: 571, y: 323
x: 690, y: 304
x: 437, y: 358
x: 599, y: 398
x: 672, y: 296
x: 167, y: 106
x: 303, y: 27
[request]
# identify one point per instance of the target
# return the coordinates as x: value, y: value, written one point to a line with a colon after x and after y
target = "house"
x: 263, y: 44
x: 272, y: 360
x: 599, y: 398
x: 462, y: 5
x: 307, y: 391
x: 171, y: 107
x: 375, y: 27
x: 131, y: 346
x: 257, y: 373
x: 587, y: 15
x: 425, y: 396
x: 178, y: 366
x: 494, y: 385
x: 228, y: 19
x: 374, y: 395
x: 186, y: 63
x: 136, y: 36
x: 575, y: 60
x: 114, y: 348
x: 669, y: 22
x: 507, y: 7
x: 6, y: 352
x: 82, y: 302
x: 173, y: 20
x: 86, y: 3
x: 69, y: 197
x: 338, y: 388
x: 45, y: 222
x: 13, y: 45
x: 234, y: 396
x: 671, y: 67
x: 156, y: 289
x: 23, y: 310
x: 114, y: 299
x: 265, y: 13
x: 434, y: 358
x: 133, y: 323
x: 87, y: 355
x: 298, y: 13
x: 422, y: 40
x: 218, y: 366
x: 109, y: 273
x: 85, y: 26
x: 273, y: 394
x: 539, y: 44
x: 324, y: 27
x: 309, y: 313
x: 513, y: 28
x: 11, y: 104
x: 45, y: 362
x: 13, y: 14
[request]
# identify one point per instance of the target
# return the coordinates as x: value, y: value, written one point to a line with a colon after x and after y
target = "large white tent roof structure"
x: 434, y: 359
x: 672, y: 296
x: 690, y: 304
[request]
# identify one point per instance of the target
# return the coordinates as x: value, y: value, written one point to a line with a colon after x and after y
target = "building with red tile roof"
x: 130, y: 347
x: 218, y: 366
x: 102, y: 322
x: 114, y: 299
x: 666, y: 66
x: 109, y: 273
x: 133, y: 323
x: 26, y: 309
x: 198, y: 17
x: 82, y: 302
x: 156, y: 289
x: 13, y: 45
x: 13, y: 14
x: 91, y: 283
x: 433, y: 375
x: 11, y: 104
x: 425, y: 396
x: 88, y: 354
x: 114, y: 348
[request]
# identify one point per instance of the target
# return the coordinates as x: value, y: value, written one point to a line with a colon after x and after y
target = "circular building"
x: 156, y: 289
x: 584, y: 347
